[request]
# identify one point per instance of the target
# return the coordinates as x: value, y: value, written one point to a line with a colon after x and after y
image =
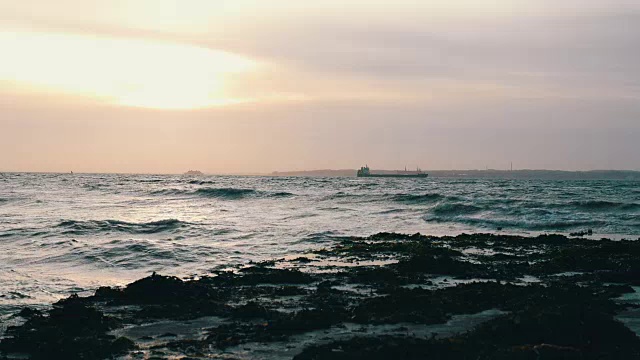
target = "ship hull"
x: 394, y: 175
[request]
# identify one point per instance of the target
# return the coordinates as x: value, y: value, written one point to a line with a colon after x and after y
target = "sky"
x: 254, y: 86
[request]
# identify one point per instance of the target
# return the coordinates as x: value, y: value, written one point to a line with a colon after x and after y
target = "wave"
x: 392, y: 211
x: 238, y: 193
x: 170, y: 192
x: 600, y: 205
x: 428, y: 198
x: 540, y: 225
x: 527, y: 211
x: 223, y: 193
x: 368, y: 185
x: 341, y: 194
x: 301, y: 216
x: 454, y: 209
x: 150, y: 180
x: 200, y: 182
x: 281, y: 194
x: 321, y: 237
x: 142, y: 254
x: 417, y: 199
x: 97, y: 226
x: 229, y: 193
x: 95, y: 187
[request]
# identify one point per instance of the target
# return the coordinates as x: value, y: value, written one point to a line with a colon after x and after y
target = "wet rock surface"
x: 69, y: 330
x: 376, y: 297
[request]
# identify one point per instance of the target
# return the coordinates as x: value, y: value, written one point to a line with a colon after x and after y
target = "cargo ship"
x: 366, y: 172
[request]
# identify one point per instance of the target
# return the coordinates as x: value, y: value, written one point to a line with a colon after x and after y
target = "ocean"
x: 64, y: 233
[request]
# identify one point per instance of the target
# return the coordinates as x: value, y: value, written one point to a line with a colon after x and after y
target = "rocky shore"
x: 479, y: 296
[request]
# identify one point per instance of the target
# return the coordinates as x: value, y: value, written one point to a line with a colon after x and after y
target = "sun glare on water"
x: 137, y: 73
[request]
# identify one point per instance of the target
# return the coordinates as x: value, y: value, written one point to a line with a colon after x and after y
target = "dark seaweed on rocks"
x: 565, y: 309
x: 566, y: 331
x: 71, y: 330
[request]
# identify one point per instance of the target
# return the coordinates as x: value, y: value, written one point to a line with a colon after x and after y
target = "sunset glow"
x: 137, y: 73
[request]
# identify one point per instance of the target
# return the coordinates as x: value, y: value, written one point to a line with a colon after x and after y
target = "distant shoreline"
x: 455, y: 174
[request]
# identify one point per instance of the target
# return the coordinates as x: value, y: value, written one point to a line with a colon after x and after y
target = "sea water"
x: 70, y: 233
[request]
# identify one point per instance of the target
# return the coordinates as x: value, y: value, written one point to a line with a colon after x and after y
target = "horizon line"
x: 308, y: 171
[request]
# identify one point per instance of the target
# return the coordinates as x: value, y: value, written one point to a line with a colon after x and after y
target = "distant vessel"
x: 366, y: 172
x: 194, y: 172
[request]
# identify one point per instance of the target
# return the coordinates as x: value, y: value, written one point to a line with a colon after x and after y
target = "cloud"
x: 534, y: 49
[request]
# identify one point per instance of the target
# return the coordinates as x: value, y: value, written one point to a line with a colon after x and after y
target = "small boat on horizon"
x: 194, y: 172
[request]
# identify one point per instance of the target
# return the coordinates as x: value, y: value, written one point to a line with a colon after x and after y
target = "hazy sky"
x: 256, y: 85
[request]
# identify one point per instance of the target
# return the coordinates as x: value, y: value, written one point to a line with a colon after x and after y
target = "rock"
x: 70, y: 331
